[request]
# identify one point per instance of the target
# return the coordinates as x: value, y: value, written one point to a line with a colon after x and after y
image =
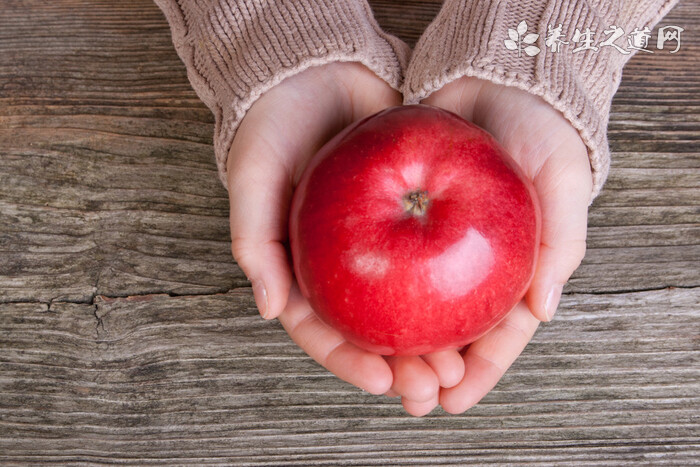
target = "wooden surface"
x: 129, y: 335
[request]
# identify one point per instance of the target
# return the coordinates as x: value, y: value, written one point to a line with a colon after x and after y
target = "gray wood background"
x: 128, y: 334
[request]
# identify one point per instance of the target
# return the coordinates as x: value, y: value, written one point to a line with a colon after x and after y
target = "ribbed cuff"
x: 467, y: 39
x: 235, y: 50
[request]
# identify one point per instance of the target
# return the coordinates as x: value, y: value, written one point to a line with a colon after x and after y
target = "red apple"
x: 412, y: 231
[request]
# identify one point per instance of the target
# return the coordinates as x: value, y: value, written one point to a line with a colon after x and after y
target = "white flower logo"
x: 518, y: 38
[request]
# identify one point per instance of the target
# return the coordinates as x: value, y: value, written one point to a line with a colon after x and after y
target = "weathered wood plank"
x: 107, y: 179
x: 204, y: 379
x: 644, y: 228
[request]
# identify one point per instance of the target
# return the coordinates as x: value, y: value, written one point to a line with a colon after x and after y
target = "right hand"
x: 551, y: 153
x: 280, y: 133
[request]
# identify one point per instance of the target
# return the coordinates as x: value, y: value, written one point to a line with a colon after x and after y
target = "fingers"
x: 564, y: 187
x: 447, y: 365
x: 419, y: 379
x: 447, y: 368
x: 413, y: 378
x: 488, y: 358
x: 348, y: 362
x: 419, y: 409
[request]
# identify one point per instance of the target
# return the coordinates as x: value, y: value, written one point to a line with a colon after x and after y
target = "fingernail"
x: 552, y: 301
x: 260, y: 295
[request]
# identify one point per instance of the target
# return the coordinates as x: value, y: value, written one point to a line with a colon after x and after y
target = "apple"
x: 413, y: 231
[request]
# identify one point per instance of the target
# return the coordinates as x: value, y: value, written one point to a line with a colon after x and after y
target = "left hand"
x: 553, y: 156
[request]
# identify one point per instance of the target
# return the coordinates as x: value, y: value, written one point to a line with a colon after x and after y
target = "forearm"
x: 235, y: 50
x: 467, y: 39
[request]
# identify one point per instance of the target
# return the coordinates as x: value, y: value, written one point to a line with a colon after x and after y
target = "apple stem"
x: 416, y: 202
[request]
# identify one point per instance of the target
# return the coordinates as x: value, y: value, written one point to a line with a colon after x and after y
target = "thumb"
x: 564, y: 187
x: 260, y: 192
x: 284, y: 128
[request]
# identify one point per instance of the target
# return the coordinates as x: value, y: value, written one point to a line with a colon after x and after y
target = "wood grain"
x: 129, y: 335
x: 197, y: 379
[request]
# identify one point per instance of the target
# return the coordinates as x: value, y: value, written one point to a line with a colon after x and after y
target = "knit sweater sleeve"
x: 235, y: 50
x: 467, y: 39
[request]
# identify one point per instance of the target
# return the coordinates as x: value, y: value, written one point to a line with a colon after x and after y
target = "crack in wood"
x: 93, y: 298
x: 632, y: 291
x: 100, y: 323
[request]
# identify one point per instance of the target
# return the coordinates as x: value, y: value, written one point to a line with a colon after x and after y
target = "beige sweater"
x: 235, y: 50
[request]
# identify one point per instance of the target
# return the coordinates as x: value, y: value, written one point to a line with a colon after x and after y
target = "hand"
x: 552, y: 155
x: 278, y: 136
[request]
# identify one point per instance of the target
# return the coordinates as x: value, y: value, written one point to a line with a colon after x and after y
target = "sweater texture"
x: 235, y: 50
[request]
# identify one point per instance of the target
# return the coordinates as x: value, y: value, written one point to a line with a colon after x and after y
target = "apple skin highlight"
x: 412, y: 231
